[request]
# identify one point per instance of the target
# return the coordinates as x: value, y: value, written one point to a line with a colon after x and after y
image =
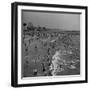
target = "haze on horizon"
x: 63, y: 21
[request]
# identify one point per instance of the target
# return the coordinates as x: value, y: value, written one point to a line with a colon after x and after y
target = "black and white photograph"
x: 49, y: 44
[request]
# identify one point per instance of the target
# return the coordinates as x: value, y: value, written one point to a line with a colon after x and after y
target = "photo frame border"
x: 14, y: 43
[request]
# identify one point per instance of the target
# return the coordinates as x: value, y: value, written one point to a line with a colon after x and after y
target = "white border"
x: 82, y: 49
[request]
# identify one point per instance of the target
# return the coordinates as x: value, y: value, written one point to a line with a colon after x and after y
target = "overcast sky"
x: 53, y: 20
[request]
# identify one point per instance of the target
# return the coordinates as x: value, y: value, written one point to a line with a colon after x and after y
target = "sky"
x: 65, y: 21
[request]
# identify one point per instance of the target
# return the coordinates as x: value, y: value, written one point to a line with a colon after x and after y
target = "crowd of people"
x: 40, y: 48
